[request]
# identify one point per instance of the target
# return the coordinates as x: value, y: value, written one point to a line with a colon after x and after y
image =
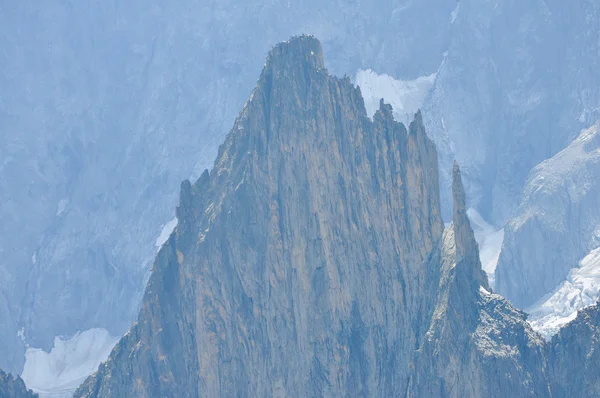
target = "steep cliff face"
x: 312, y: 261
x: 574, y: 356
x: 302, y: 262
x: 556, y: 225
x: 95, y: 139
x: 11, y: 387
x: 477, y: 344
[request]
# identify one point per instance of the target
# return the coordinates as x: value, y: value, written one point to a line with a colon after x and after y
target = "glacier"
x: 580, y: 290
x: 58, y: 373
x: 405, y: 96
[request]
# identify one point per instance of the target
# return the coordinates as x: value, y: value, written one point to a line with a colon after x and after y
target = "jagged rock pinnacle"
x: 467, y: 249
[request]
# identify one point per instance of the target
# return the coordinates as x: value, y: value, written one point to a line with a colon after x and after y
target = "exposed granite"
x: 96, y: 138
x: 312, y: 261
x: 477, y: 344
x: 299, y: 263
x: 574, y: 356
x: 11, y: 387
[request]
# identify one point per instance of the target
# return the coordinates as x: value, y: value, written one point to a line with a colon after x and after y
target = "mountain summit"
x: 301, y: 262
x: 312, y: 261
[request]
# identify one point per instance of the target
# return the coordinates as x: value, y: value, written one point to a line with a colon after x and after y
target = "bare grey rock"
x: 106, y: 107
x: 556, y: 224
x: 574, y: 356
x: 299, y: 263
x: 517, y: 85
x: 312, y: 261
x: 476, y: 344
x: 13, y: 387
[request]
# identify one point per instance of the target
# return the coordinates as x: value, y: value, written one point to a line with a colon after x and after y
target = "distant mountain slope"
x: 555, y: 227
x: 519, y: 81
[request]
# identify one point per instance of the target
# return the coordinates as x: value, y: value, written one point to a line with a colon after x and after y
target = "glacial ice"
x: 58, y: 373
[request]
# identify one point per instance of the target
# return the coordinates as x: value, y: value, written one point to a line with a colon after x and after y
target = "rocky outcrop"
x: 96, y: 139
x: 477, y: 344
x: 574, y: 356
x: 302, y: 261
x: 556, y: 225
x: 312, y: 261
x: 11, y: 387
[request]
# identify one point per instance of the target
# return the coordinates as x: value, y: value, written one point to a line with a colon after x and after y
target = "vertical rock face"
x: 574, y: 356
x: 11, y: 387
x: 467, y: 250
x: 312, y: 261
x: 95, y: 139
x: 477, y: 344
x: 556, y: 225
x: 302, y: 261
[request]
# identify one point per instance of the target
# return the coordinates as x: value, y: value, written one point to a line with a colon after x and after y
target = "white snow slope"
x: 166, y: 231
x: 406, y: 97
x: 489, y: 239
x: 59, y: 372
x: 580, y: 290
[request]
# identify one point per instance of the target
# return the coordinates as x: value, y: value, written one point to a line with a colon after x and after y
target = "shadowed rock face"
x: 11, y: 387
x: 312, y: 261
x: 519, y: 82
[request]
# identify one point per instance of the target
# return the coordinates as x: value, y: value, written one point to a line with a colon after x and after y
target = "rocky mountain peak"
x: 312, y: 261
x: 303, y: 50
x: 302, y: 261
x: 296, y: 59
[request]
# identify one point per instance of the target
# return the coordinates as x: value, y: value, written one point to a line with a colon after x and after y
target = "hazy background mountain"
x: 518, y: 84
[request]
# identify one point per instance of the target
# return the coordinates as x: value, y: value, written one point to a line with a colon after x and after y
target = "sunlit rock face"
x: 105, y: 108
x: 312, y: 261
x: 302, y: 262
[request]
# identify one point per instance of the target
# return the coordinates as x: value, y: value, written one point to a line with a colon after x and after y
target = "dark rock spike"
x: 467, y: 250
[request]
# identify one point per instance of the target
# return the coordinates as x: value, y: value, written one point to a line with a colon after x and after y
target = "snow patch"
x: 62, y: 205
x: 580, y: 290
x: 59, y: 372
x: 406, y: 97
x: 454, y: 13
x: 489, y: 239
x: 484, y: 291
x: 167, y: 230
x: 21, y: 334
